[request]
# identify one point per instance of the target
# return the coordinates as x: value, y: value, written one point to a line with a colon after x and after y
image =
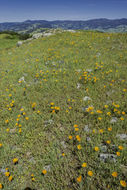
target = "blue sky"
x: 20, y: 10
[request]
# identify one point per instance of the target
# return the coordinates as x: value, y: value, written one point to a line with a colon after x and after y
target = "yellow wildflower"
x: 84, y: 165
x: 1, y: 145
x: 6, y: 121
x: 108, y: 141
x: 44, y: 172
x: 114, y: 174
x: 90, y: 173
x: 79, y: 178
x: 101, y: 130
x: 27, y: 118
x: 33, y: 179
x: 109, y: 113
x: 79, y: 147
x: 63, y: 154
x: 109, y: 128
x: 10, y: 178
x: 34, y: 105
x: 99, y: 111
x: 120, y: 147
x: 78, y: 138
x: 96, y: 148
x: 7, y: 129
x: 15, y: 160
x: 118, y: 153
x: 20, y: 130
x: 94, y: 131
x: 123, y: 183
x: 1, y: 186
x: 7, y: 174
x: 70, y: 137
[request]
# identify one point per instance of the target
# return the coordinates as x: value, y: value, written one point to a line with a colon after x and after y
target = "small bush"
x: 24, y: 36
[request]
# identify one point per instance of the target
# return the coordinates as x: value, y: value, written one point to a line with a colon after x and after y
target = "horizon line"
x: 62, y: 20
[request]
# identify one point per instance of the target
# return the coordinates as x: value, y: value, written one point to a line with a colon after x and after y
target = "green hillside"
x: 63, y: 112
x: 7, y: 41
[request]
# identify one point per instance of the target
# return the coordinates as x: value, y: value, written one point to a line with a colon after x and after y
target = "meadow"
x: 63, y: 112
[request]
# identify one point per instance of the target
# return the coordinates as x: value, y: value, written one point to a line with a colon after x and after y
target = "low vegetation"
x: 9, y: 38
x: 63, y: 112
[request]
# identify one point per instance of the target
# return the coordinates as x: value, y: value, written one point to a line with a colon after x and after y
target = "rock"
x: 103, y: 148
x: 89, y: 70
x: 29, y: 39
x: 78, y: 70
x: 98, y: 54
x: 47, y: 34
x: 53, y: 64
x: 13, y: 131
x: 108, y: 157
x: 61, y: 61
x: 48, y: 167
x: 48, y: 122
x: 78, y: 85
x: 109, y: 93
x: 63, y: 144
x: 86, y: 98
x: 73, y: 31
x: 113, y: 120
x: 88, y: 139
x: 25, y: 74
x: 37, y: 35
x: 84, y: 109
x: 124, y: 169
x: 122, y: 136
x: 31, y: 160
x: 19, y: 43
x: 22, y: 79
x: 3, y: 171
x: 28, y: 154
x: 86, y: 128
x: 108, y: 102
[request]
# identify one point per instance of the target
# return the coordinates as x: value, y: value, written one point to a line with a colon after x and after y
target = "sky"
x: 21, y: 10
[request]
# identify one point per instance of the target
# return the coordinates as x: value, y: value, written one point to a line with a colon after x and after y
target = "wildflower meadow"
x: 63, y: 112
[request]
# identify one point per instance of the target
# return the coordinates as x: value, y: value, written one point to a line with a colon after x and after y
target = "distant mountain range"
x: 29, y: 26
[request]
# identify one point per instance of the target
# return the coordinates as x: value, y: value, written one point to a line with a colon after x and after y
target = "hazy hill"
x: 105, y: 25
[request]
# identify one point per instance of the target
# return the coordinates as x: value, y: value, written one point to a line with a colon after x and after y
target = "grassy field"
x: 63, y: 112
x: 7, y: 41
